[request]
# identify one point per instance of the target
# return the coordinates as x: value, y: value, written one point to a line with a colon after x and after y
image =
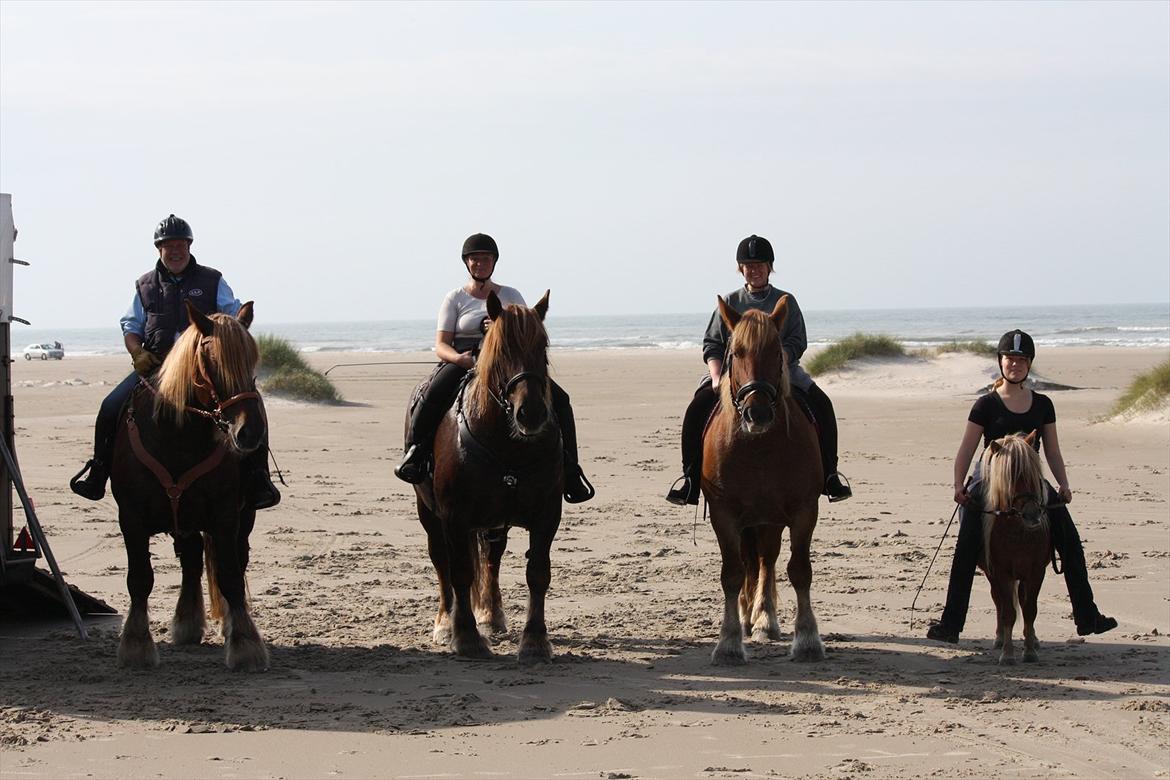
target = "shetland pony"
x: 1016, y: 539
x: 176, y: 470
x: 761, y: 474
x: 497, y: 463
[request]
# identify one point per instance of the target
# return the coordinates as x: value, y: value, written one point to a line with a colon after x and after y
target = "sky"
x: 331, y: 158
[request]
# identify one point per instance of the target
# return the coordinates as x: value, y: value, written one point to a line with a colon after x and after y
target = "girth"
x: 172, y: 487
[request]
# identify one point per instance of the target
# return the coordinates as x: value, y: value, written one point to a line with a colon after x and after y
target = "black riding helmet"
x: 1015, y: 343
x: 480, y: 242
x: 754, y: 249
x: 172, y: 227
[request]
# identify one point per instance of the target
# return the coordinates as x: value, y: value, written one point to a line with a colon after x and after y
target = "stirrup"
x: 686, y: 493
x: 90, y: 487
x: 576, y: 497
x: 848, y: 489
x: 413, y: 468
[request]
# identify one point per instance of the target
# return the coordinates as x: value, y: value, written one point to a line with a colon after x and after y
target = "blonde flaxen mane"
x: 229, y: 356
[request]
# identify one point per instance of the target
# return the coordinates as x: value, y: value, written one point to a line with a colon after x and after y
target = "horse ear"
x: 1030, y: 439
x: 780, y: 313
x: 541, y: 306
x: 245, y: 315
x: 494, y: 306
x: 730, y: 316
x: 199, y: 319
x: 996, y: 447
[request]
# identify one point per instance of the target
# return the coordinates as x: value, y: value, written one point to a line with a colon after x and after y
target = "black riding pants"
x: 705, y: 400
x: 441, y: 392
x: 969, y: 547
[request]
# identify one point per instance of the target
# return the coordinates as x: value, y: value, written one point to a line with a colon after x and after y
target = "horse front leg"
x: 437, y: 548
x: 1005, y: 617
x: 750, y: 558
x: 730, y: 649
x: 190, y: 619
x: 136, y: 648
x: 245, y: 649
x: 765, y: 623
x: 806, y: 640
x: 465, y: 637
x: 534, y: 645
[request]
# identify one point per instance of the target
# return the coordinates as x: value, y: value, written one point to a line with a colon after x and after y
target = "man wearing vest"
x: 149, y: 328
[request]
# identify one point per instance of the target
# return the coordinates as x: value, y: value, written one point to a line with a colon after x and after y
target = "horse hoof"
x: 1031, y: 656
x: 998, y: 644
x: 729, y: 656
x: 806, y: 650
x: 472, y: 647
x: 767, y: 635
x: 247, y: 656
x: 1007, y: 660
x: 535, y: 652
x: 189, y: 633
x: 137, y: 654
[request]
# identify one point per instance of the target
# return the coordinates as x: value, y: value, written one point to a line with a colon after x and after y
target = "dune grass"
x: 283, y: 372
x: 1148, y: 391
x: 858, y: 345
x: 974, y: 347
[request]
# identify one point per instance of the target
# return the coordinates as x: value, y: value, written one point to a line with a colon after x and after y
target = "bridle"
x: 739, y: 397
x: 1026, y: 506
x: 504, y: 398
x: 205, y: 386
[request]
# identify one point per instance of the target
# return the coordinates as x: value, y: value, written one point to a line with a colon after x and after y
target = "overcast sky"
x: 331, y: 158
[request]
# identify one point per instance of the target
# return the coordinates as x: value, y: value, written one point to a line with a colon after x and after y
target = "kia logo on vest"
x: 194, y: 293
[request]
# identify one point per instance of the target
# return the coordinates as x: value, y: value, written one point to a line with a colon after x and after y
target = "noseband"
x: 1030, y: 508
x: 766, y: 389
x: 504, y: 398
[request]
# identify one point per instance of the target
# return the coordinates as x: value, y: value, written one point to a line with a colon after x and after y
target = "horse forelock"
x: 1013, y: 469
x: 756, y: 335
x: 516, y: 341
x: 231, y: 357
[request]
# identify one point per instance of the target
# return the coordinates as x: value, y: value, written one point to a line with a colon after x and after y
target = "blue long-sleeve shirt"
x: 134, y: 320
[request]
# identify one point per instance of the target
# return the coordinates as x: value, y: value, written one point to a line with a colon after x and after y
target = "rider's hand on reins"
x: 961, y: 495
x: 1065, y: 494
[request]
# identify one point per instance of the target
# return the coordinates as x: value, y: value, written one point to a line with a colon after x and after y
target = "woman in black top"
x: 1012, y: 408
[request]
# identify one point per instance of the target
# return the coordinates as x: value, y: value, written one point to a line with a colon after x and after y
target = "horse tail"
x: 481, y: 570
x: 214, y: 596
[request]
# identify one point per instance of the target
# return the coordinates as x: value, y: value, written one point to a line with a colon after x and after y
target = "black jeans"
x: 441, y: 392
x: 969, y: 546
x: 705, y: 400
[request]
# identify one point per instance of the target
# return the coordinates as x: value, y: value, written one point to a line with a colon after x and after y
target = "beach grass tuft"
x: 974, y: 347
x: 283, y: 372
x: 1148, y: 391
x: 859, y: 345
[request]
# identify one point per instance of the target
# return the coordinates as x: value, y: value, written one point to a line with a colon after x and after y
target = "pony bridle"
x: 205, y: 385
x: 766, y: 389
x: 504, y: 398
x: 1027, y: 506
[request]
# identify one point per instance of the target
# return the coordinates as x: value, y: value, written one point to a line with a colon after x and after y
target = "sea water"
x: 1118, y: 325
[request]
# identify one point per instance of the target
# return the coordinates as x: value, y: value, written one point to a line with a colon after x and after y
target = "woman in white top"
x: 461, y: 326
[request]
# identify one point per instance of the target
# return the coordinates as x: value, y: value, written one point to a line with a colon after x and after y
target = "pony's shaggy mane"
x: 1009, y: 464
x: 518, y: 332
x: 231, y: 356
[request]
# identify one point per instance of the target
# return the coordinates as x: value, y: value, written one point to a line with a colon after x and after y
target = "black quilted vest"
x: 162, y: 297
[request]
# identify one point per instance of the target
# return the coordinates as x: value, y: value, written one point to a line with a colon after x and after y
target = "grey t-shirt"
x: 792, y: 333
x: 463, y: 314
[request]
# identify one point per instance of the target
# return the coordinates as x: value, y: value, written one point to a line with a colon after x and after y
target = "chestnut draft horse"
x: 176, y: 470
x: 497, y: 463
x: 1016, y: 540
x: 761, y: 473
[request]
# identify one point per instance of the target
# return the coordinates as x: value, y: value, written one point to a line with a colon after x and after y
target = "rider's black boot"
x: 685, y: 490
x: 836, y: 489
x: 577, y: 487
x: 413, y: 468
x: 93, y: 486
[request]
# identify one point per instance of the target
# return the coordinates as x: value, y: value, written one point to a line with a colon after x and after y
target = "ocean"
x: 1120, y: 325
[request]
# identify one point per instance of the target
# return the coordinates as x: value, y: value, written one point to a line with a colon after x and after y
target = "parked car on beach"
x: 44, y: 351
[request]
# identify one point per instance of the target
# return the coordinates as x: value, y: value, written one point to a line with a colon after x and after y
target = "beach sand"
x: 344, y: 593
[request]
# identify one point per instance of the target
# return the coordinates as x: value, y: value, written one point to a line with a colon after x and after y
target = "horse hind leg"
x: 189, y: 622
x: 136, y: 648
x: 730, y: 649
x: 441, y: 561
x: 245, y: 649
x: 750, y: 558
x: 806, y: 640
x: 765, y: 623
x: 1004, y: 595
x: 466, y: 640
x: 489, y: 603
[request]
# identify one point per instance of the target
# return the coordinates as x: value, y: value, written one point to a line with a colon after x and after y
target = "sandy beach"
x: 344, y: 593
